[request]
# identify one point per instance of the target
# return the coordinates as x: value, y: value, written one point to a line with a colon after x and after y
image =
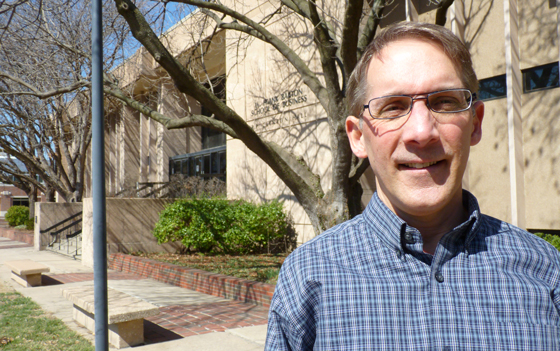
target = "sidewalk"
x: 188, y: 320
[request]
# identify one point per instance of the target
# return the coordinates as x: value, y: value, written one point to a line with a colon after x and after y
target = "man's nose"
x: 421, y: 126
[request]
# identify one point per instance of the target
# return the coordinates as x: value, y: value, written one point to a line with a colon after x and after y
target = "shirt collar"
x: 391, y: 229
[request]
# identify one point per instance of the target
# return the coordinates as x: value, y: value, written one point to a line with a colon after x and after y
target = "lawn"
x: 262, y: 268
x: 25, y: 326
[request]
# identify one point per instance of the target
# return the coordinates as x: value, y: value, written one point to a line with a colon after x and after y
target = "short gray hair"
x: 453, y: 47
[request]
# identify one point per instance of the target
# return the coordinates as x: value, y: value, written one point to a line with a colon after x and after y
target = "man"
x: 421, y: 268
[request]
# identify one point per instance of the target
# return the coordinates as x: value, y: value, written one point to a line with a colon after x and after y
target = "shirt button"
x: 409, y: 238
x: 439, y: 277
x: 399, y: 253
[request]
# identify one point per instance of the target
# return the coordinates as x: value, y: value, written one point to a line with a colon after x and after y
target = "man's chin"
x: 424, y: 202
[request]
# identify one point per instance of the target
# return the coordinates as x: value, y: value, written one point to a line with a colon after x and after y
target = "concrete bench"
x: 126, y: 314
x: 27, y: 272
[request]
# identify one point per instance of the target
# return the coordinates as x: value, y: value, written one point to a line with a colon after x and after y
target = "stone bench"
x: 126, y: 314
x: 27, y: 272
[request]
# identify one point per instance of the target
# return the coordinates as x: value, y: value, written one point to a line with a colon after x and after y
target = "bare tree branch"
x: 34, y: 91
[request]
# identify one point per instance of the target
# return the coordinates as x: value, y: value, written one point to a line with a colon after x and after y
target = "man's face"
x: 419, y: 166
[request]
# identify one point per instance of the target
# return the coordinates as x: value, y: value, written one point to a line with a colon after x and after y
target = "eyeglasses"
x: 444, y: 101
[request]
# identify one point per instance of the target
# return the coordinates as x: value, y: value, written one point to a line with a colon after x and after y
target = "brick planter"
x: 22, y: 235
x: 194, y: 279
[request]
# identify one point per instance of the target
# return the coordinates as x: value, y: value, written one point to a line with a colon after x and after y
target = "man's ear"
x: 355, y: 136
x: 476, y: 134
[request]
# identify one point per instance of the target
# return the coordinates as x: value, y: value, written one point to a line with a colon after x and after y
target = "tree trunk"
x: 32, y: 194
x: 50, y: 194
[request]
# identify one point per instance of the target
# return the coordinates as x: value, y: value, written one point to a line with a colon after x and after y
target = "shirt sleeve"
x: 292, y: 314
x: 276, y: 336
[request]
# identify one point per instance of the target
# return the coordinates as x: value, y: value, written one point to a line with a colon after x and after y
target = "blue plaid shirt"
x: 367, y: 285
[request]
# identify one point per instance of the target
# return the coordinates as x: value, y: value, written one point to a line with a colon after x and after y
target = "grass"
x: 262, y: 268
x: 24, y: 326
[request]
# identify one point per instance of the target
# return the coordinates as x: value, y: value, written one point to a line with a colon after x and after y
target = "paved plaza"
x: 188, y: 320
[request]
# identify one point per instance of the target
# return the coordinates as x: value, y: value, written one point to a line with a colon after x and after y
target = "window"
x: 212, y: 138
x: 492, y: 88
x: 20, y: 201
x: 395, y: 10
x: 424, y: 6
x: 206, y: 163
x: 540, y: 77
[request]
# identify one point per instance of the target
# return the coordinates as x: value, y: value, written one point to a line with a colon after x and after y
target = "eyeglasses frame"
x: 426, y: 97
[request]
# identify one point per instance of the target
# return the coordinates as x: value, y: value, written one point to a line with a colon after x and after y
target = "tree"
x: 337, y: 33
x: 51, y: 145
x: 340, y: 32
x: 45, y: 59
x: 13, y: 171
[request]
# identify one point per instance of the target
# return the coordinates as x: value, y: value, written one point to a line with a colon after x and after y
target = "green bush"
x: 553, y: 239
x: 30, y: 224
x: 222, y: 226
x: 17, y: 215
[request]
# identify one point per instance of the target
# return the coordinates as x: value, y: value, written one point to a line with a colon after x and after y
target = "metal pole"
x: 98, y: 183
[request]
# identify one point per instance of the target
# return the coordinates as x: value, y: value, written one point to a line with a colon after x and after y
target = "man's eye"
x: 394, y: 108
x: 445, y: 103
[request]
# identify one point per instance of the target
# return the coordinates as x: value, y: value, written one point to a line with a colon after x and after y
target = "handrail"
x: 77, y: 232
x: 61, y: 222
x: 140, y: 186
x: 66, y: 233
x: 156, y: 190
x: 66, y: 227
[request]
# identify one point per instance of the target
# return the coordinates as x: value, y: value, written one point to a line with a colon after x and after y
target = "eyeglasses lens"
x: 389, y: 111
x: 450, y: 101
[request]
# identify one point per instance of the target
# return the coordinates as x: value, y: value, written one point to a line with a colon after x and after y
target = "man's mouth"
x: 419, y: 165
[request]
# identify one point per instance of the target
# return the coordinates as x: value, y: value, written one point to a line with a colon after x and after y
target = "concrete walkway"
x: 188, y: 320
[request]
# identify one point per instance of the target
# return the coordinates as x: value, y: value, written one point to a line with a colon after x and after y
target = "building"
x: 11, y: 195
x: 513, y: 171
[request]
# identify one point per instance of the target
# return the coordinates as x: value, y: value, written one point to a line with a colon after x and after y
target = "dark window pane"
x: 394, y: 11
x: 207, y: 164
x: 184, y: 167
x: 212, y: 138
x: 492, y: 88
x: 192, y: 168
x: 198, y: 166
x: 223, y: 163
x: 423, y: 6
x: 215, y: 162
x: 541, y: 77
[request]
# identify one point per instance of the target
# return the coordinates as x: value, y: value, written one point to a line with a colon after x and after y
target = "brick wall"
x: 194, y: 279
x: 22, y: 235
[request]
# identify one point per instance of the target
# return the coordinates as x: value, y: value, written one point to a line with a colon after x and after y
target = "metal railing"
x: 145, y: 190
x: 67, y: 234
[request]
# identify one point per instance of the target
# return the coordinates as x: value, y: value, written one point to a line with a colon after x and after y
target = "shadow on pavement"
x: 154, y: 333
x: 47, y: 280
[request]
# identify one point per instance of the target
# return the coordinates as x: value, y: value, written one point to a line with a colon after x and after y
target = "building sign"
x: 271, y: 122
x: 279, y: 102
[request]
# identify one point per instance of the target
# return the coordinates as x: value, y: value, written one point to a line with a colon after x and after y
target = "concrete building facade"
x: 514, y: 171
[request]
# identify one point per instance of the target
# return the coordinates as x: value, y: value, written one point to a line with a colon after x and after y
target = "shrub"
x: 553, y: 239
x: 221, y: 226
x: 30, y: 224
x: 17, y: 215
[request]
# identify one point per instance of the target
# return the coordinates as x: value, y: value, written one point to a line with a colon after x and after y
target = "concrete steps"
x: 3, y: 223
